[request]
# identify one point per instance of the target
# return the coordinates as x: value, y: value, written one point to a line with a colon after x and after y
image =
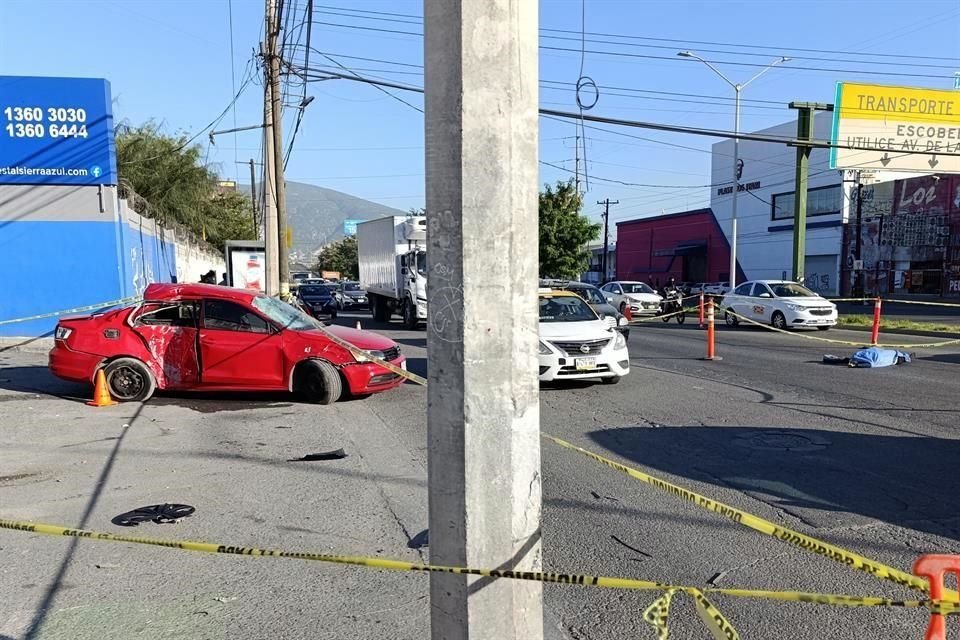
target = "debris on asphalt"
x: 156, y: 513
x: 107, y: 565
x: 225, y: 599
x: 420, y: 540
x: 632, y: 548
x: 326, y: 455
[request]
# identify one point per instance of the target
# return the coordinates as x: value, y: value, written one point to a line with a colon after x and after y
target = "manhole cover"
x: 782, y: 441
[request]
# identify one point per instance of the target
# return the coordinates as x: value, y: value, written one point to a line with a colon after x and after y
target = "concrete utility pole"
x: 483, y: 421
x: 271, y: 239
x: 280, y: 185
x: 805, y: 114
x: 606, y: 235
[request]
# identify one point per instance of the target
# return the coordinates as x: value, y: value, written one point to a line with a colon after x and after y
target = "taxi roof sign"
x: 902, y: 128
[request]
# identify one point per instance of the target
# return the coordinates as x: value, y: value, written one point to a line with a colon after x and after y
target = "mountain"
x: 316, y: 214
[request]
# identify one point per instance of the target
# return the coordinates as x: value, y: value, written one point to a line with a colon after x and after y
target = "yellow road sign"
x: 896, y: 128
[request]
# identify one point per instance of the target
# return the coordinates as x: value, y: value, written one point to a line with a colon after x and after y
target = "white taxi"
x: 780, y: 303
x: 575, y: 344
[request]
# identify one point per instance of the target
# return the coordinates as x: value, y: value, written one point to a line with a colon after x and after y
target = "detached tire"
x: 318, y: 382
x: 129, y: 380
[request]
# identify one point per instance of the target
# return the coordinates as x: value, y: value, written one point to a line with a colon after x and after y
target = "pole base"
x: 711, y: 358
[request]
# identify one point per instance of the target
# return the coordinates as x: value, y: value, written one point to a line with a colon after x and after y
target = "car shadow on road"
x: 948, y: 358
x: 38, y: 379
x: 412, y: 342
x: 827, y: 479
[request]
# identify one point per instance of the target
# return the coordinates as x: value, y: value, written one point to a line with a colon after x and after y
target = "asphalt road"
x: 861, y: 458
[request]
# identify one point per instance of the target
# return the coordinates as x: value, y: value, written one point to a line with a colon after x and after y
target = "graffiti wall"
x: 909, y: 238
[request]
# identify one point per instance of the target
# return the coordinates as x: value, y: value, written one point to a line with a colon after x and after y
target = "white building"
x: 765, y: 206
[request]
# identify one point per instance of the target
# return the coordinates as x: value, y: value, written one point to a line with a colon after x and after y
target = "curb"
x: 904, y: 332
x: 29, y: 345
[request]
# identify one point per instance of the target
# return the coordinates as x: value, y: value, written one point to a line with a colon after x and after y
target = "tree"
x: 340, y: 256
x: 564, y: 232
x: 175, y: 185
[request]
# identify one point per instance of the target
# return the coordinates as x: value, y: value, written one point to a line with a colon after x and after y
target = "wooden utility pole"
x: 606, y: 234
x: 271, y: 246
x: 253, y: 200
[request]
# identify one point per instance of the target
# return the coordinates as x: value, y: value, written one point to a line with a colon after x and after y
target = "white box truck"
x: 392, y: 253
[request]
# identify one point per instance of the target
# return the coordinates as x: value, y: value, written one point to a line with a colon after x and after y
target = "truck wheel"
x: 318, y: 382
x: 129, y: 380
x: 410, y: 321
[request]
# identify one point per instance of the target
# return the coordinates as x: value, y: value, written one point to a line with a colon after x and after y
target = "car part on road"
x: 129, y: 380
x: 156, y: 513
x: 318, y: 382
x: 339, y: 454
x: 420, y: 540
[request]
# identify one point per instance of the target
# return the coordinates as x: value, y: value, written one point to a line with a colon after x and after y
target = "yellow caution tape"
x: 92, y: 307
x: 847, y: 342
x: 656, y: 614
x: 923, y: 303
x: 837, y: 554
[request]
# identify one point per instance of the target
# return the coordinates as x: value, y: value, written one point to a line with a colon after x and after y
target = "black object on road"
x: 326, y: 455
x: 157, y: 513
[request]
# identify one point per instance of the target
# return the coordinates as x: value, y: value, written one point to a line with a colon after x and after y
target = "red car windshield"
x: 285, y: 315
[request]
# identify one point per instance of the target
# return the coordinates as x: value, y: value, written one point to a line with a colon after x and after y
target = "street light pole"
x: 737, y: 88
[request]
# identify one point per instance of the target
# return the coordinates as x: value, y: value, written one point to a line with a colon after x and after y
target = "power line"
x: 416, y: 19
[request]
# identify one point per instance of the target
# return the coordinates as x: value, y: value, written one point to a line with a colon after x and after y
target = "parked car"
x: 595, y: 298
x: 575, y: 344
x: 638, y: 296
x: 207, y: 338
x: 716, y: 288
x: 781, y: 303
x: 349, y: 295
x: 318, y: 300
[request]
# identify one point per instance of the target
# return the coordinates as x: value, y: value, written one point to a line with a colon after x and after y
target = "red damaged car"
x: 198, y: 337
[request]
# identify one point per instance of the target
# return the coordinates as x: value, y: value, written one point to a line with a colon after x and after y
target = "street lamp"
x: 736, y: 149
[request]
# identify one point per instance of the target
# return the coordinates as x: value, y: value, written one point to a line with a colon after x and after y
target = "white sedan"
x: 638, y: 296
x: 575, y: 344
x: 780, y: 303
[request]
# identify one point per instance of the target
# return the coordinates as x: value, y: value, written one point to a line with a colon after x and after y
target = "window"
x: 759, y: 289
x: 590, y: 294
x: 821, y: 201
x: 743, y: 290
x: 638, y: 287
x: 230, y: 316
x: 791, y: 290
x: 565, y: 309
x: 168, y: 314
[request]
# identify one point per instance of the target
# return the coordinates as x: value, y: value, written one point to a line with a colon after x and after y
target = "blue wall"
x: 56, y: 265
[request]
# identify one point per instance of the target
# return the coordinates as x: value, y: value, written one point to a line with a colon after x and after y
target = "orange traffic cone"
x: 101, y: 394
x: 359, y: 328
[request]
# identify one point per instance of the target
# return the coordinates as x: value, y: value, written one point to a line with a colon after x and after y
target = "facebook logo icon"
x: 95, y: 171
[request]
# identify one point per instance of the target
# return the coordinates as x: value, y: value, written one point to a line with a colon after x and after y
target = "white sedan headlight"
x: 619, y: 342
x: 544, y: 349
x: 794, y: 307
x: 622, y: 321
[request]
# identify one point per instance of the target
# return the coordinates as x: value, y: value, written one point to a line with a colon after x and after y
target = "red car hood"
x: 366, y: 340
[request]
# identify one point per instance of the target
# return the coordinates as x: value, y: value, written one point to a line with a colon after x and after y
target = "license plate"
x: 585, y: 364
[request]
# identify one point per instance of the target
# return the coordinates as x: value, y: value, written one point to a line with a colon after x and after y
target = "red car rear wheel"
x: 129, y: 380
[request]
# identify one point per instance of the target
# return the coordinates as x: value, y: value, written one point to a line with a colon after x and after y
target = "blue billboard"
x: 56, y: 131
x: 350, y: 226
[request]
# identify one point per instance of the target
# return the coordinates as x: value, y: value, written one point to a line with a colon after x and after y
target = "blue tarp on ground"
x: 876, y: 357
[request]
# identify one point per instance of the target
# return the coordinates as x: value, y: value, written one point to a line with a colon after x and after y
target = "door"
x: 170, y: 332
x: 239, y: 348
x: 761, y: 302
x: 739, y: 300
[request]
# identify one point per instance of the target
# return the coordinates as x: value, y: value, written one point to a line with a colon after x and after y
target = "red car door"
x: 169, y: 330
x: 239, y: 348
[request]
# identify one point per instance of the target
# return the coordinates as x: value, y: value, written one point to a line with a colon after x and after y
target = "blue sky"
x: 170, y: 60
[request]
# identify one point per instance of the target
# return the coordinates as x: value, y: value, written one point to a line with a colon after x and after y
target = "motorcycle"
x: 672, y: 303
